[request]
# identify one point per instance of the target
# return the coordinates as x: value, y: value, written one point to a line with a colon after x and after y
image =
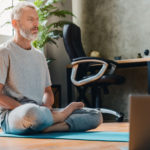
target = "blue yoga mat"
x: 88, y: 136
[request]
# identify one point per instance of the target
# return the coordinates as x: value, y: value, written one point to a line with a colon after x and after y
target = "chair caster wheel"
x: 120, y: 118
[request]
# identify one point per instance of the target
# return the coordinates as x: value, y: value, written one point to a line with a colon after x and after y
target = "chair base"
x: 96, y: 101
x: 119, y: 116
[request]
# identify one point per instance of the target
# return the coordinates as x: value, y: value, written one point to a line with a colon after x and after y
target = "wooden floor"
x: 53, y: 144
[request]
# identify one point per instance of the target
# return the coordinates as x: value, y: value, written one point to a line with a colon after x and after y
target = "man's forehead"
x: 27, y: 11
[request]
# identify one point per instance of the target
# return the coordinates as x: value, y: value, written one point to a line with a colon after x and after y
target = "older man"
x: 26, y: 97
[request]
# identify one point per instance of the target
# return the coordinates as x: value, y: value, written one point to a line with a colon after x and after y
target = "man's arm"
x: 48, y: 98
x: 7, y: 102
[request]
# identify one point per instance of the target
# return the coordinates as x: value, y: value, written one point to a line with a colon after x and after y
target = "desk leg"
x: 148, y: 68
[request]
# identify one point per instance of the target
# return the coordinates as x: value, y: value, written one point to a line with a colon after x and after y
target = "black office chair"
x: 89, y: 72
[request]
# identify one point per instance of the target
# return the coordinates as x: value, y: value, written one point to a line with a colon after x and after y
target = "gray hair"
x: 17, y: 10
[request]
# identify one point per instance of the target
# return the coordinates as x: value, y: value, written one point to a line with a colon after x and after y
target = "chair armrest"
x: 88, y: 79
x: 95, y: 58
x: 111, y: 64
x: 86, y: 60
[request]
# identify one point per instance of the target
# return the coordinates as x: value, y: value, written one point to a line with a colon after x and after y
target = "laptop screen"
x: 139, y: 122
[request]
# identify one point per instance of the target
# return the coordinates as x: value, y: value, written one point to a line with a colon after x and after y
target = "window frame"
x: 5, y: 27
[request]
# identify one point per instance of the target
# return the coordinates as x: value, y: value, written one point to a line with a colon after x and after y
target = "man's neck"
x: 22, y: 42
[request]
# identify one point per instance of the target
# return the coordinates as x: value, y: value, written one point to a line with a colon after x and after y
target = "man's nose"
x: 36, y: 23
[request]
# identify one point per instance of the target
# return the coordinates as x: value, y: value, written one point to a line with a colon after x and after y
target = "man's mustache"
x: 35, y: 28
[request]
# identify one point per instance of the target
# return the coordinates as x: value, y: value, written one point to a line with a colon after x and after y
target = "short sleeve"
x: 48, y: 81
x: 48, y: 78
x: 4, y: 63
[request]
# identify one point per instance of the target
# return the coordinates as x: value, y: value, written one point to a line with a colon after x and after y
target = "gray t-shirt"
x: 24, y: 73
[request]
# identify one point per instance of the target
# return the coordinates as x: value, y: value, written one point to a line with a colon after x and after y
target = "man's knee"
x: 27, y: 115
x: 21, y: 118
x: 36, y: 114
x: 98, y: 119
x: 95, y: 119
x: 94, y: 116
x: 90, y: 119
x: 30, y: 114
x: 40, y: 117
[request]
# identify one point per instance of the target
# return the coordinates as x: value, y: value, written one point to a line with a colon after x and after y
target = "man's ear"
x: 14, y: 23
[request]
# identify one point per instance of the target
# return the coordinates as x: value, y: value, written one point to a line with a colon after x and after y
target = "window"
x: 5, y: 17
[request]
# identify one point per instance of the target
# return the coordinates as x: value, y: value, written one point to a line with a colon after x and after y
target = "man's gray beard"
x: 28, y: 36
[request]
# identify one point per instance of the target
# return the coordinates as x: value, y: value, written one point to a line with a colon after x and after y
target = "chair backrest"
x: 72, y: 41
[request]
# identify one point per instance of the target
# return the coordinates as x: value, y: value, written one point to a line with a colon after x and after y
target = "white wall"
x: 117, y: 28
x: 114, y: 27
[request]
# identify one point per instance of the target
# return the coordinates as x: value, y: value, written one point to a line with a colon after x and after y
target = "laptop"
x: 139, y: 122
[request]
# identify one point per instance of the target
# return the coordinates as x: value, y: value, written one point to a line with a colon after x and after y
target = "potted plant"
x: 49, y: 32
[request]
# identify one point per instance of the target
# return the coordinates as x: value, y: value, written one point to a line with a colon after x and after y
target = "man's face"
x: 28, y: 23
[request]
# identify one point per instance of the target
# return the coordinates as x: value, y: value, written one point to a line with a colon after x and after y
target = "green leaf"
x: 6, y: 9
x: 6, y: 23
x: 44, y: 22
x: 49, y: 60
x: 50, y: 40
x: 46, y: 7
x: 60, y: 13
x: 58, y: 24
x: 53, y: 1
x: 55, y: 34
x: 38, y: 3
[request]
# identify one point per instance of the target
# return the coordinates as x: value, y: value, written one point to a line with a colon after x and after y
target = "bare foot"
x: 72, y: 107
x: 62, y: 126
x: 61, y: 116
x: 75, y: 105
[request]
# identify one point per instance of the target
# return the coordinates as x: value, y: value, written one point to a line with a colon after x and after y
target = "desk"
x: 126, y: 63
x: 57, y: 144
x: 136, y: 63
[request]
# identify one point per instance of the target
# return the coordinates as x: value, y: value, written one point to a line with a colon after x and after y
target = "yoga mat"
x: 87, y: 136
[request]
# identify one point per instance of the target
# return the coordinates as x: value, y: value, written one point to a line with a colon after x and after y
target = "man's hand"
x: 7, y: 102
x: 49, y: 107
x: 48, y: 98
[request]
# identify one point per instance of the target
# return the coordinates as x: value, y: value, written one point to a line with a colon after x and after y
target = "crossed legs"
x: 80, y: 120
x: 59, y: 117
x: 31, y: 118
